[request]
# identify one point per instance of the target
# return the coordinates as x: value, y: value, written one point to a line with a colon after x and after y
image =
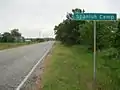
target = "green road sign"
x: 94, y: 16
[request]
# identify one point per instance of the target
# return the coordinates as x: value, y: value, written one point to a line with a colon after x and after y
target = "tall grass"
x: 71, y: 68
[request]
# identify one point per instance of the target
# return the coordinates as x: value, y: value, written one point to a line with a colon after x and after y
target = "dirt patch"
x: 90, y: 85
x: 40, y: 71
x: 45, y: 64
x: 47, y: 61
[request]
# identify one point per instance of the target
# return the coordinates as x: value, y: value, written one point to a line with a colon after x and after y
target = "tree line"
x: 15, y: 36
x: 72, y: 32
x: 12, y: 36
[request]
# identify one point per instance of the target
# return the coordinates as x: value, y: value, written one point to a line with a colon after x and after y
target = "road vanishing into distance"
x: 16, y: 63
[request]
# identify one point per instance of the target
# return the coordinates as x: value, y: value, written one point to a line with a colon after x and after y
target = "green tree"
x: 68, y: 30
x: 86, y: 32
x: 105, y: 35
x: 0, y: 37
x: 7, y: 37
x: 74, y: 32
x: 117, y: 37
x: 16, y: 34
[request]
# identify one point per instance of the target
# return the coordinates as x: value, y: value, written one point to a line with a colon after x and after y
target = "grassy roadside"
x: 71, y: 68
x: 108, y: 73
x: 11, y: 45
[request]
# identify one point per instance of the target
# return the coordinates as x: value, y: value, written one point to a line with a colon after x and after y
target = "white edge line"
x: 26, y: 77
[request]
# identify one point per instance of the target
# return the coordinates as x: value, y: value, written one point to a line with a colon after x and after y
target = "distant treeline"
x: 15, y: 36
x: 12, y: 36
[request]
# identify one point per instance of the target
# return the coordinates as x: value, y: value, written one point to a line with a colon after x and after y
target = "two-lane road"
x: 16, y: 63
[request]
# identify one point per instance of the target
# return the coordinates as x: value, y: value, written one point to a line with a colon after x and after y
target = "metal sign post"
x: 94, y: 16
x: 94, y: 57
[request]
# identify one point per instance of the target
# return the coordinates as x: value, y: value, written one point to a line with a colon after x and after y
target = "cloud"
x: 34, y: 16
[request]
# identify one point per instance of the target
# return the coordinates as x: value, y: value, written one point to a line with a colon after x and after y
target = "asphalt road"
x: 16, y: 63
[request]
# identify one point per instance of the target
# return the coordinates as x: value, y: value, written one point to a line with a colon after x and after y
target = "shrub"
x: 110, y: 53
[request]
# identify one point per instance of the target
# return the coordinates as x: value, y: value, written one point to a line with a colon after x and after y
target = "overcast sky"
x: 38, y: 17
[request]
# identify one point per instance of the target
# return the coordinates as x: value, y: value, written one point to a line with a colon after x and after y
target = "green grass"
x: 11, y: 45
x: 108, y: 73
x: 71, y: 68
